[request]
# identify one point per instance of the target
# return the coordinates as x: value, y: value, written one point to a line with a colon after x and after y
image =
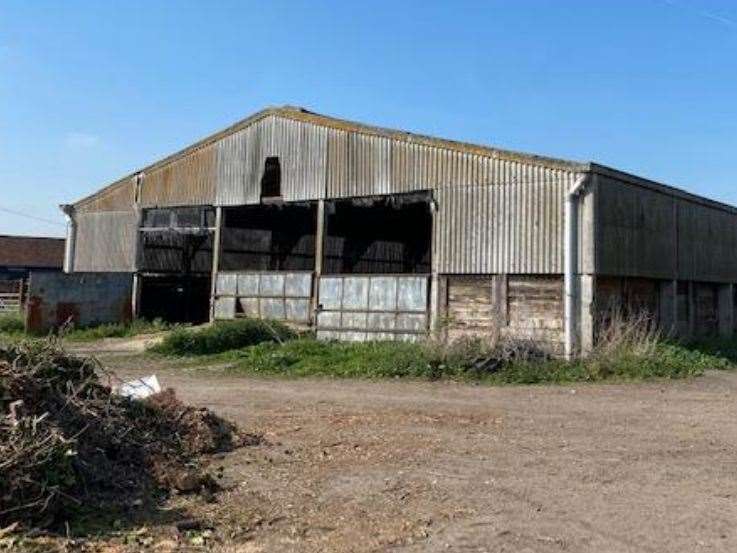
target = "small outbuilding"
x: 368, y: 233
x: 19, y: 255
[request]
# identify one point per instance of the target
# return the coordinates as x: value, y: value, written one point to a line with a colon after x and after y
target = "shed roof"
x: 31, y: 251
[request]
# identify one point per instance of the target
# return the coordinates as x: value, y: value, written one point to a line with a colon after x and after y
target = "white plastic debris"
x: 140, y: 388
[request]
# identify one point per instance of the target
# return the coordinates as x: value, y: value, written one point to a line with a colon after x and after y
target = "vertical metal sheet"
x: 240, y: 161
x: 500, y: 228
x: 106, y: 241
x: 373, y: 307
x: 269, y: 295
x: 302, y: 150
x: 224, y: 308
x: 119, y: 196
x: 189, y: 180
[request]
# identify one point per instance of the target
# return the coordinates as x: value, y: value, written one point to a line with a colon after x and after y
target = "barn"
x: 366, y: 233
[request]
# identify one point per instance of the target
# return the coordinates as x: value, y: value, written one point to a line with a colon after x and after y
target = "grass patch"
x: 223, y: 336
x: 469, y: 362
x: 12, y: 328
x: 117, y: 330
x: 627, y: 350
x: 12, y: 324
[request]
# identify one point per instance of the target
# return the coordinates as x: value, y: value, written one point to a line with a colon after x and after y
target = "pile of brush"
x: 68, y: 442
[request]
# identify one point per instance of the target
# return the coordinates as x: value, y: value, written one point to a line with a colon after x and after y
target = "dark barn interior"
x: 269, y: 237
x: 176, y: 264
x: 389, y: 234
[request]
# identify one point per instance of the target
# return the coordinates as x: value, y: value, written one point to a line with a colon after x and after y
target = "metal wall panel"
x: 373, y: 307
x: 189, y: 180
x: 707, y: 242
x: 119, y: 196
x: 641, y: 232
x: 84, y: 298
x: 302, y: 151
x: 240, y: 162
x: 636, y: 231
x: 502, y: 228
x: 266, y: 295
x: 105, y: 241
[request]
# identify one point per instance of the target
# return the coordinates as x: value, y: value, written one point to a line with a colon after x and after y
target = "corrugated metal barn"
x: 370, y: 233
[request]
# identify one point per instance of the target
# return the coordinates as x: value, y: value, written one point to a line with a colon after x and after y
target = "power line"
x: 27, y: 216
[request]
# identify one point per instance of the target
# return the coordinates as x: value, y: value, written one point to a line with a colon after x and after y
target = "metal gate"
x: 373, y: 307
x: 265, y: 295
x: 11, y: 297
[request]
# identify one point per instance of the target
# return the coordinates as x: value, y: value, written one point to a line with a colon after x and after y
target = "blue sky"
x: 90, y: 91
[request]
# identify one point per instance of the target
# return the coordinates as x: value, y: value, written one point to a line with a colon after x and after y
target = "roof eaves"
x: 656, y: 186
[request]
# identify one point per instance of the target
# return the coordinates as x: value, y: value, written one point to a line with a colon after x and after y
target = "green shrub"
x: 223, y: 336
x: 11, y: 324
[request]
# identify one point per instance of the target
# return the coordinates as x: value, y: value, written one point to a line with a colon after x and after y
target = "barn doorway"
x: 176, y: 264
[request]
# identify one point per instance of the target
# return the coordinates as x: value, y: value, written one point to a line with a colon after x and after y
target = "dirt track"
x: 415, y: 467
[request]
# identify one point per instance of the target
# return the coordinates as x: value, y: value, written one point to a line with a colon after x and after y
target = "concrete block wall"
x: 83, y: 299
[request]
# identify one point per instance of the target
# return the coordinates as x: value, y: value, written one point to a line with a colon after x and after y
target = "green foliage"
x: 309, y: 357
x: 11, y: 324
x: 117, y: 330
x: 223, y: 336
x: 627, y: 350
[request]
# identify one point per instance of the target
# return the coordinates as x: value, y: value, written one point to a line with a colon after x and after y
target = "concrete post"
x: 319, y: 252
x: 586, y: 318
x: 434, y: 322
x: 668, y: 307
x: 726, y: 310
x: 215, y: 259
x: 137, y: 262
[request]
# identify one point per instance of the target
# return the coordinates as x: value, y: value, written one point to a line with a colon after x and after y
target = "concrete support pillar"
x: 215, y: 259
x: 725, y: 308
x: 668, y: 307
x: 587, y: 315
x: 137, y: 263
x: 434, y: 322
x: 319, y: 253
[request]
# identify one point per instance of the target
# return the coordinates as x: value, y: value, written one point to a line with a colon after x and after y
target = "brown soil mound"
x: 67, y: 441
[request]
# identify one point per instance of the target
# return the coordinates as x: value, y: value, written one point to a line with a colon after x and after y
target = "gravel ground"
x: 423, y: 467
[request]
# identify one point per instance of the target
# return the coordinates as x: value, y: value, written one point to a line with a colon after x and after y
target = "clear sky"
x: 90, y: 91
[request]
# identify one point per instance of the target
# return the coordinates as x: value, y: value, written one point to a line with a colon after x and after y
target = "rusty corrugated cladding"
x: 302, y: 152
x: 105, y: 241
x: 189, y: 180
x: 366, y: 165
x: 512, y: 227
x: 119, y: 196
x: 239, y: 164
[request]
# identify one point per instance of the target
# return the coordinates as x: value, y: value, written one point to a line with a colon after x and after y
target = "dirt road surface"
x: 429, y: 467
